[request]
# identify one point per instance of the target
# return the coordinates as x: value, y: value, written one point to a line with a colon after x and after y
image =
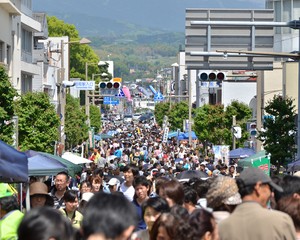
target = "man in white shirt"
x: 130, y: 172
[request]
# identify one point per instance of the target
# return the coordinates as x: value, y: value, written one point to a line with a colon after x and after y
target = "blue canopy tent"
x: 241, y: 153
x: 174, y: 134
x: 13, y: 164
x: 185, y: 136
x: 40, y: 165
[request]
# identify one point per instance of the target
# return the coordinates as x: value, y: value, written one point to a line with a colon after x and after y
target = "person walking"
x: 251, y: 219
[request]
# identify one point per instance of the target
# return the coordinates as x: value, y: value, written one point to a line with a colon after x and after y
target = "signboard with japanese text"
x: 85, y: 85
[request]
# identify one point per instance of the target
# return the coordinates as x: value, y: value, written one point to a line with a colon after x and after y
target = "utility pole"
x: 190, y: 107
x: 62, y: 98
x: 233, y: 137
x: 87, y: 102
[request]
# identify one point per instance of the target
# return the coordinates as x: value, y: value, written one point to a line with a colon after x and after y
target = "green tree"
x: 161, y: 109
x: 38, y: 122
x: 211, y: 124
x: 7, y: 94
x: 280, y: 131
x: 95, y: 118
x: 242, y: 114
x: 76, y: 128
x: 178, y: 112
x: 79, y: 54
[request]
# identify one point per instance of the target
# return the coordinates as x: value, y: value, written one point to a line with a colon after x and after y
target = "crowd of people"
x: 133, y: 190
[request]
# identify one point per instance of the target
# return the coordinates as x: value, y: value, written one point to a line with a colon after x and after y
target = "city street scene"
x: 159, y: 120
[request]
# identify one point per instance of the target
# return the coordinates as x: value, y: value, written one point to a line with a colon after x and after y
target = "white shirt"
x: 127, y: 191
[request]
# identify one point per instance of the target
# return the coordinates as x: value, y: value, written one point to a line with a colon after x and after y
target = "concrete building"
x: 285, y: 39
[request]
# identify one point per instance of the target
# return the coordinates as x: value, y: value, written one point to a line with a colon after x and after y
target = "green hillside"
x: 139, y: 56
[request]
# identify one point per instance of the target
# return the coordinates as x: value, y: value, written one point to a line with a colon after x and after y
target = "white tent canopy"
x: 71, y: 157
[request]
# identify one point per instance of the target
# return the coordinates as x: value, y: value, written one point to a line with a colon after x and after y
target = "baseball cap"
x: 113, y: 181
x: 251, y: 176
x: 5, y: 190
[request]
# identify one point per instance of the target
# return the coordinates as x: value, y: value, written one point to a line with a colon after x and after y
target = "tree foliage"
x: 38, y: 122
x: 79, y: 54
x: 7, y: 94
x: 214, y: 124
x: 280, y: 130
x: 242, y: 114
x: 211, y: 124
x: 95, y: 118
x: 76, y: 129
x: 161, y: 109
x: 177, y: 113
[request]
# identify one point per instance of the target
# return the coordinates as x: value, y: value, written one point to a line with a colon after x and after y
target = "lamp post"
x: 190, y: 107
x: 61, y: 87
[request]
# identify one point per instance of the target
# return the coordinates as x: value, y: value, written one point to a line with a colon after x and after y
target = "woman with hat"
x: 39, y: 196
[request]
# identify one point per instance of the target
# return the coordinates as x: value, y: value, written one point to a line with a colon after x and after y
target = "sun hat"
x: 251, y: 176
x: 223, y: 190
x: 38, y: 188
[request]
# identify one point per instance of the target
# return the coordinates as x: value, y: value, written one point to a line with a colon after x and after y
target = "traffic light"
x: 211, y: 76
x: 109, y: 85
x: 252, y: 129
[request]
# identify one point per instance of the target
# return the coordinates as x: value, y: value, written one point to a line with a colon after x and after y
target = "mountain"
x: 118, y: 17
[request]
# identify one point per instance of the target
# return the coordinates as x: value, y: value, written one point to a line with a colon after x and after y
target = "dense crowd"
x: 139, y: 187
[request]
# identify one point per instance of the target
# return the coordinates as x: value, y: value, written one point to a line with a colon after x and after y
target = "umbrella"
x: 241, y: 153
x: 294, y: 166
x: 73, y: 158
x: 14, y: 164
x: 188, y: 174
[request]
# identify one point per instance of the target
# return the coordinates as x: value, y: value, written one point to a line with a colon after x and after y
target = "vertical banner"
x: 91, y: 138
x: 221, y: 153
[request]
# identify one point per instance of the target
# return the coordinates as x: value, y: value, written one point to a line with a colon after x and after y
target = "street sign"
x: 85, y: 85
x: 117, y: 79
x: 120, y: 94
x: 158, y: 97
x: 111, y: 100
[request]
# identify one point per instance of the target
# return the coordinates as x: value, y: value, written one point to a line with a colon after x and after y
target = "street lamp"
x: 61, y: 86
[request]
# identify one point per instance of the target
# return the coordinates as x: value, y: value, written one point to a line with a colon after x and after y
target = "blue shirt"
x: 141, y: 223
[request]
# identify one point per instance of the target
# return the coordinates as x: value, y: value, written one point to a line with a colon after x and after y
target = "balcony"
x: 9, y: 7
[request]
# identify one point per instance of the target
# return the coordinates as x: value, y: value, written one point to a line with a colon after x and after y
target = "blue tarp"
x: 241, y: 153
x: 13, y: 164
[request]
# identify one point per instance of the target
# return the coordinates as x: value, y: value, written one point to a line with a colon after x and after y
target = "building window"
x: 1, y: 52
x: 26, y: 83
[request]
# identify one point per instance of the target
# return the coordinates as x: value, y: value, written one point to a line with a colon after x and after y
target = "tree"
x: 7, y: 94
x: 95, y: 118
x: 178, y: 113
x: 76, y: 128
x: 161, y: 109
x: 79, y: 54
x: 280, y: 130
x: 211, y: 124
x: 242, y: 114
x: 38, y: 122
